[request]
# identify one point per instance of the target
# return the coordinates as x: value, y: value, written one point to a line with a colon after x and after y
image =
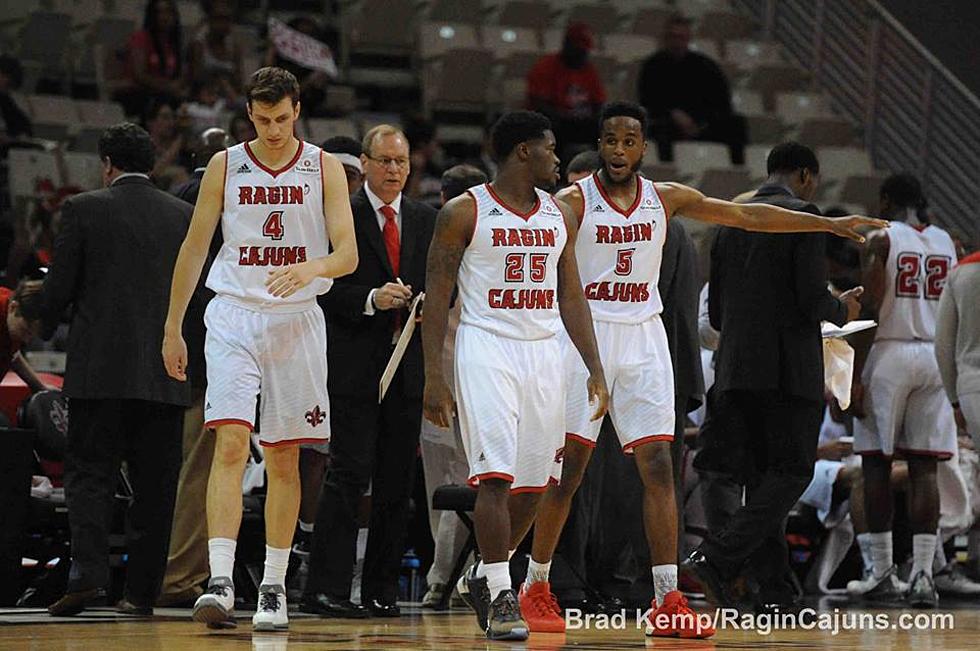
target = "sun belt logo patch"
x: 314, y: 416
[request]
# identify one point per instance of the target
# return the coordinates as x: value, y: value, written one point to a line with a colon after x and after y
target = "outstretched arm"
x: 190, y: 261
x: 577, y: 317
x: 342, y: 258
x: 454, y: 227
x: 758, y: 216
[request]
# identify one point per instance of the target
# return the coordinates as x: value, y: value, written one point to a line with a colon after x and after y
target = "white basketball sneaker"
x: 271, y: 613
x: 216, y: 607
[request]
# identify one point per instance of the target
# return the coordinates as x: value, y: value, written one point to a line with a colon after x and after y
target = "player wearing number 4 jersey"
x: 900, y: 401
x: 623, y: 219
x: 510, y: 248
x: 279, y: 200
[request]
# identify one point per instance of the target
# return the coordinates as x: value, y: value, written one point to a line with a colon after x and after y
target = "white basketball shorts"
x: 280, y: 356
x: 510, y: 395
x: 640, y: 379
x: 906, y: 406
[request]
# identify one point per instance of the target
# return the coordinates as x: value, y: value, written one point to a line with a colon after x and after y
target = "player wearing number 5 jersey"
x: 900, y: 400
x: 623, y: 219
x: 282, y: 203
x: 510, y: 248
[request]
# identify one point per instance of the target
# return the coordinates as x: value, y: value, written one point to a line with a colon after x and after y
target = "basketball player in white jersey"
x: 281, y: 203
x: 622, y: 221
x: 899, y: 399
x: 509, y: 247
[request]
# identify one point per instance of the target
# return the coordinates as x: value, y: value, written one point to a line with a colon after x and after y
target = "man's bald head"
x: 210, y: 142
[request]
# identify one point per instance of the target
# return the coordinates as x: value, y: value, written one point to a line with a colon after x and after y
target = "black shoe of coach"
x: 716, y: 588
x: 382, y: 608
x: 327, y: 606
x: 73, y: 603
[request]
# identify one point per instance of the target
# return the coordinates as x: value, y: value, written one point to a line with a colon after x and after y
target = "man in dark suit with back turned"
x: 768, y: 295
x: 112, y: 263
x: 372, y: 443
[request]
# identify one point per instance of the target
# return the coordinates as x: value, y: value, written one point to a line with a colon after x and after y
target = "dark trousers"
x: 779, y: 434
x: 101, y: 434
x: 731, y: 130
x: 376, y: 444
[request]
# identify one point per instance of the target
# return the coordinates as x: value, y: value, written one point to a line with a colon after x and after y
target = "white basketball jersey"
x: 619, y: 252
x: 271, y: 218
x: 919, y: 260
x: 508, y: 277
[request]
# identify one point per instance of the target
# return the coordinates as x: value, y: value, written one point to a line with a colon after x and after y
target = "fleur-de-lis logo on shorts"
x: 314, y: 417
x: 560, y: 454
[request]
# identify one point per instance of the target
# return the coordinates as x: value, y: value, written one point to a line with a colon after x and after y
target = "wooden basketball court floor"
x: 173, y: 630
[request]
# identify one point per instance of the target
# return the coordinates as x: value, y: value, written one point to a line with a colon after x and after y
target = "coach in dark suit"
x: 112, y: 264
x: 371, y: 442
x: 768, y: 295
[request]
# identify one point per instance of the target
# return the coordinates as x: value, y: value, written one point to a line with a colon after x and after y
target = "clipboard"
x: 399, y: 352
x: 830, y: 330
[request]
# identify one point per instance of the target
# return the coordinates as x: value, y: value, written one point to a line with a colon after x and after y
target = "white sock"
x: 537, y: 572
x: 923, y: 551
x: 221, y: 556
x: 498, y: 578
x: 881, y: 552
x: 481, y: 570
x: 864, y: 543
x: 939, y: 561
x: 276, y: 562
x: 664, y: 581
x: 305, y: 527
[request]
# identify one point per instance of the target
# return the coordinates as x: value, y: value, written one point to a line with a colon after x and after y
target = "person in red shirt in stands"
x: 566, y: 87
x: 20, y: 321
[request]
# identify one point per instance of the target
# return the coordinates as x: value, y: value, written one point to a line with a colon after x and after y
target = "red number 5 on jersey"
x: 273, y: 227
x: 624, y: 262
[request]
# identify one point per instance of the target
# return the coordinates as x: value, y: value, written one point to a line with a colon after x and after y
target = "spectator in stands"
x: 348, y: 151
x: 160, y: 120
x: 15, y: 122
x: 21, y: 316
x: 312, y: 83
x: 153, y: 58
x: 112, y: 263
x: 687, y: 96
x: 768, y: 296
x: 424, y: 182
x: 206, y: 108
x: 443, y: 459
x: 215, y: 53
x: 583, y: 165
x: 241, y: 129
x: 187, y: 562
x: 566, y: 87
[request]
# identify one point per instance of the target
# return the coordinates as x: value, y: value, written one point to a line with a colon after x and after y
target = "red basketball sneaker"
x: 540, y: 608
x: 676, y: 619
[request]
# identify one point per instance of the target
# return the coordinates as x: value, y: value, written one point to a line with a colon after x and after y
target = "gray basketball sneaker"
x: 922, y: 591
x: 505, y: 621
x: 475, y: 592
x: 216, y: 607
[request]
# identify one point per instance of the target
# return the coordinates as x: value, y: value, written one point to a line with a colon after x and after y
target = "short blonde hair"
x: 379, y: 131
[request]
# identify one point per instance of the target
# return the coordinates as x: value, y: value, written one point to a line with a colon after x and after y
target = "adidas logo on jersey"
x: 598, y: 208
x: 244, y: 169
x: 495, y: 212
x: 483, y: 457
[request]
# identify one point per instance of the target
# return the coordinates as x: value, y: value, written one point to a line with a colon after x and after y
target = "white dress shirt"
x: 377, y: 203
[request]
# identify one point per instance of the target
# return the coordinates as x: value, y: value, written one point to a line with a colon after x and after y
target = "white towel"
x: 838, y: 369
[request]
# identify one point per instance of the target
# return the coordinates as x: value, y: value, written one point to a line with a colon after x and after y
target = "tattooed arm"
x: 453, y: 230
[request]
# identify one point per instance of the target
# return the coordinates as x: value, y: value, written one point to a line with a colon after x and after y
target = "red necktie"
x: 390, y: 233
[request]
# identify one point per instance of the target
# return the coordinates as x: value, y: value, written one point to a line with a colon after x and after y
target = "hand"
x: 175, y: 356
x: 598, y: 393
x: 850, y: 225
x: 437, y: 403
x: 287, y: 280
x: 850, y: 299
x: 392, y: 296
x: 684, y: 122
x: 960, y: 419
x: 857, y: 400
x: 835, y: 450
